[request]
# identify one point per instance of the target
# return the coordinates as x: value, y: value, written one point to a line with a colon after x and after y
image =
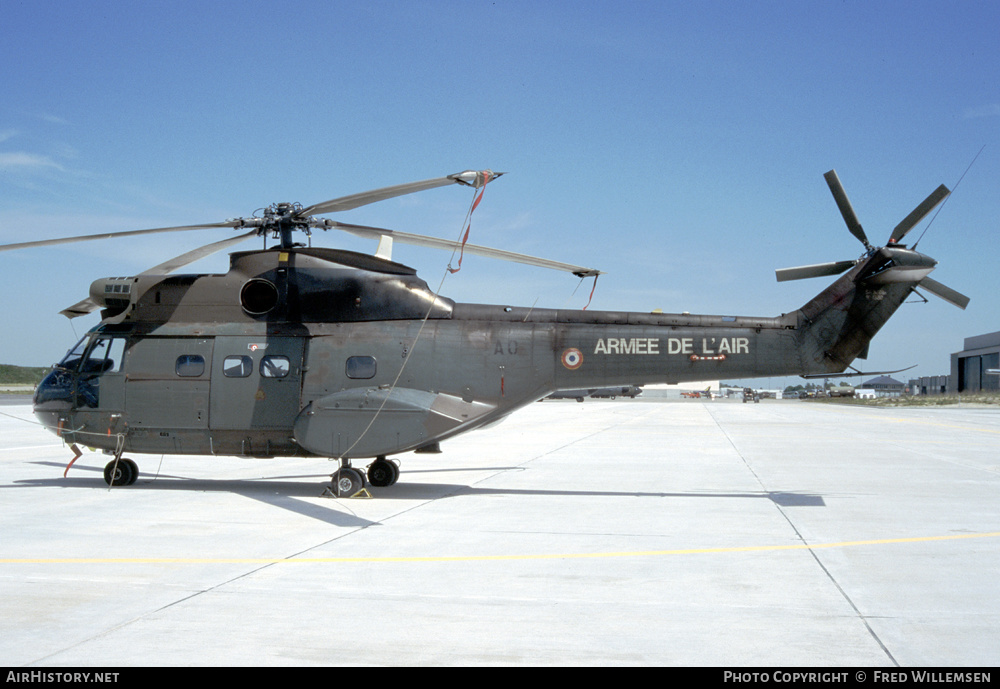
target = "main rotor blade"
x: 113, y: 235
x: 844, y: 204
x: 345, y: 203
x: 813, y: 271
x: 196, y: 254
x: 918, y: 213
x: 447, y: 244
x: 945, y: 292
x: 88, y: 305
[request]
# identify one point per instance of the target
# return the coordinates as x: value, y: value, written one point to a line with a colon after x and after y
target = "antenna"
x: 946, y: 200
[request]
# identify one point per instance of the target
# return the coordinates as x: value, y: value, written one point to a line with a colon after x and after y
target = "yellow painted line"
x: 473, y: 558
x: 925, y: 422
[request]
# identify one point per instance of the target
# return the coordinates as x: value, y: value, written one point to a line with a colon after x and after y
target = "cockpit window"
x: 105, y: 356
x: 72, y: 359
x: 77, y: 378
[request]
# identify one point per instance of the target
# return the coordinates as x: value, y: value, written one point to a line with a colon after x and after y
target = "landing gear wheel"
x: 124, y: 474
x: 135, y: 471
x: 383, y: 473
x: 347, y: 482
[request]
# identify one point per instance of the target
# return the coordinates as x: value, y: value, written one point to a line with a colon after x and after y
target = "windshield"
x: 72, y: 359
x: 104, y: 355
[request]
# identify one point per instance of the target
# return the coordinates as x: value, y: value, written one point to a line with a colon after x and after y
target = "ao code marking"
x: 674, y: 345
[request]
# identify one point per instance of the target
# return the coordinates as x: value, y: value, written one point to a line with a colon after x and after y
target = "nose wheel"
x: 348, y: 482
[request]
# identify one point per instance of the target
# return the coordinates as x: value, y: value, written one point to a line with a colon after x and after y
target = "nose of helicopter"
x: 53, y: 398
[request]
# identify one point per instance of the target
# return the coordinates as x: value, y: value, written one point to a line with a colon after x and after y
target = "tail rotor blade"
x: 813, y: 271
x: 844, y: 204
x: 945, y: 292
x: 918, y: 213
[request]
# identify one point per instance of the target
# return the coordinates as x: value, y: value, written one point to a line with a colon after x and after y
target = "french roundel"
x: 572, y: 358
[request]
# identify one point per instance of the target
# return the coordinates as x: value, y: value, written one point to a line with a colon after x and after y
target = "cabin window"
x: 275, y: 366
x: 361, y: 367
x: 190, y: 365
x: 237, y: 366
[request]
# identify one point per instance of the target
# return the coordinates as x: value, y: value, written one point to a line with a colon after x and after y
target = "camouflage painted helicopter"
x: 318, y: 352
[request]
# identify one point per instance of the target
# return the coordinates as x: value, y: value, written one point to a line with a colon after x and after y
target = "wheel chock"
x: 328, y: 492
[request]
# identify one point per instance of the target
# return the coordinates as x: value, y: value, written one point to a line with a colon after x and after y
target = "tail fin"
x: 840, y: 321
x: 837, y: 325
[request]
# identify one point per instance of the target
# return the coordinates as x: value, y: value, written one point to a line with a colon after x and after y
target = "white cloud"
x: 19, y: 160
x: 991, y: 110
x: 52, y: 119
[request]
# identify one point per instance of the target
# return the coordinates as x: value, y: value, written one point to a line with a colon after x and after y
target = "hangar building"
x: 969, y: 367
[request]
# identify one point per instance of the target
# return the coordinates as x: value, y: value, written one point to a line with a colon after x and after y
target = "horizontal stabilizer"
x: 855, y: 372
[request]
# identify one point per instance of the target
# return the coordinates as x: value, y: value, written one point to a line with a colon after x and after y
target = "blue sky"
x: 679, y: 147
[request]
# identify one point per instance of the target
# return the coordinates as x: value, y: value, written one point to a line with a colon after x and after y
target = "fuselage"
x: 291, y: 354
x: 220, y: 389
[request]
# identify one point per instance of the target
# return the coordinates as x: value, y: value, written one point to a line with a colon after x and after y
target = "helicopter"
x: 301, y: 351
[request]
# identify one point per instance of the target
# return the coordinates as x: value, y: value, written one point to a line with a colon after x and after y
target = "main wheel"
x: 348, y: 482
x: 122, y: 472
x: 383, y: 473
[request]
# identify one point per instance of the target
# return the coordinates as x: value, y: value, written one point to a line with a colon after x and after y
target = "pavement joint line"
x: 486, y: 558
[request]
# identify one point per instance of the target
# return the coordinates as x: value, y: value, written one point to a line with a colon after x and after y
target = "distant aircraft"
x: 580, y: 395
x: 632, y: 391
x: 841, y: 391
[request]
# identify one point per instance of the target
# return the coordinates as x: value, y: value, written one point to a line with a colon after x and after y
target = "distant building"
x: 929, y: 385
x: 969, y: 368
x: 885, y: 386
